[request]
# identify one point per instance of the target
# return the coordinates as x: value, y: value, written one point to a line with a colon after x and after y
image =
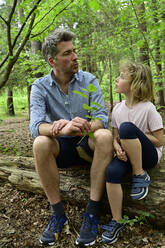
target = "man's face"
x: 66, y: 58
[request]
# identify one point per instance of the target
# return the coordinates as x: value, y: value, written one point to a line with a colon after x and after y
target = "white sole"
x: 50, y: 244
x: 89, y: 244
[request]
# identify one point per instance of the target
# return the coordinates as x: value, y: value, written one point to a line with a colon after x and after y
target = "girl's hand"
x: 120, y: 153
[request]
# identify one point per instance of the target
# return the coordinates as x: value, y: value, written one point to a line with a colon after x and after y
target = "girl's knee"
x: 112, y: 174
x: 116, y: 170
x: 127, y: 130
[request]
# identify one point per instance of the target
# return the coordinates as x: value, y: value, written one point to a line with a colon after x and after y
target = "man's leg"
x: 103, y: 154
x: 45, y: 152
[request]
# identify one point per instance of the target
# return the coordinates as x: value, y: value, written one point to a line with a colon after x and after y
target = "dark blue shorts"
x: 68, y: 155
x: 117, y: 169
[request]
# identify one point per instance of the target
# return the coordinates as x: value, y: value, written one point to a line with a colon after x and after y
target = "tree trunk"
x: 28, y: 96
x: 110, y: 85
x: 35, y: 46
x: 144, y: 53
x: 10, y: 104
x: 75, y: 186
x: 158, y: 58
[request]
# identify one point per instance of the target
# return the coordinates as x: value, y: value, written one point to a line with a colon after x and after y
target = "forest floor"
x: 24, y: 215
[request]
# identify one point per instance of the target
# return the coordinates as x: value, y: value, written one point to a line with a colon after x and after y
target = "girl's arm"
x: 120, y: 153
x: 156, y: 137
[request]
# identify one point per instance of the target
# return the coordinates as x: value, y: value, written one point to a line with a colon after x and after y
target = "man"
x: 58, y: 123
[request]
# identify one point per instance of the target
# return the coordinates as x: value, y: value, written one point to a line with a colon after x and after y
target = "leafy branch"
x: 50, y: 24
x: 91, y: 88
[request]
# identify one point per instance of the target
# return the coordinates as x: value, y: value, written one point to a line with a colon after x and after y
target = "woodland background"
x: 106, y: 32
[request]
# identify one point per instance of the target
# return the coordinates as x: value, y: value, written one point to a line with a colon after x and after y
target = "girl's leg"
x: 133, y: 149
x: 114, y: 174
x: 141, y: 152
x: 142, y: 155
x: 115, y: 197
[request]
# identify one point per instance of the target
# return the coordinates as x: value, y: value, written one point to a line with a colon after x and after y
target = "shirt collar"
x: 53, y: 80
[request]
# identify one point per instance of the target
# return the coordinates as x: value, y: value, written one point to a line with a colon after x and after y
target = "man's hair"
x: 141, y: 81
x: 49, y: 46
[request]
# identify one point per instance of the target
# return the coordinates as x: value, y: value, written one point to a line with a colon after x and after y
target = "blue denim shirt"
x: 49, y: 103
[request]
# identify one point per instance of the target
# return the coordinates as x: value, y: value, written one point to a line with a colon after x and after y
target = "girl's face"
x: 123, y: 83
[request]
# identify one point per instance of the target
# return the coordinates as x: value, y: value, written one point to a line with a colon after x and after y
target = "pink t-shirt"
x: 144, y: 115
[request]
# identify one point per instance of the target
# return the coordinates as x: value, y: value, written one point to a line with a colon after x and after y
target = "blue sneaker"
x: 112, y: 231
x: 88, y: 230
x: 140, y: 186
x: 54, y: 227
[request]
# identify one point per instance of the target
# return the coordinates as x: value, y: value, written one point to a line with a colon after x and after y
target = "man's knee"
x: 127, y: 130
x: 42, y: 144
x: 103, y: 136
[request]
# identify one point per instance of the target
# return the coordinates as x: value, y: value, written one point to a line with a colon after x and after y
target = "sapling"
x: 93, y: 107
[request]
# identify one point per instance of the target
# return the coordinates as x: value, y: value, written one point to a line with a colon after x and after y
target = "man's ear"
x: 51, y: 61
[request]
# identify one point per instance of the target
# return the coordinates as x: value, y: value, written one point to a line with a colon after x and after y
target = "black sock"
x: 93, y: 207
x: 58, y: 208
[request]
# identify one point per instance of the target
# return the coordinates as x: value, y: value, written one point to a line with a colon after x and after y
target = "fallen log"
x: 75, y: 186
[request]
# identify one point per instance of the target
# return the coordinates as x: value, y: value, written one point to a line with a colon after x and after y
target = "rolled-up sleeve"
x: 100, y: 112
x: 37, y: 109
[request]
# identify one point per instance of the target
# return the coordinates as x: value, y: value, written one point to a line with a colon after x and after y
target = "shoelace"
x: 55, y: 223
x: 89, y: 223
x: 110, y: 226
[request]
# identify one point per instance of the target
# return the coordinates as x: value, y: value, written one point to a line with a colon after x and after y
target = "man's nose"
x: 75, y: 57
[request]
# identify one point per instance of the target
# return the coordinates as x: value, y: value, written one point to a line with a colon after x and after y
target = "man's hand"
x: 82, y: 124
x: 76, y: 127
x: 57, y: 126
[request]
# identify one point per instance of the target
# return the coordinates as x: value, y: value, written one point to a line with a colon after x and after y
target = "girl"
x: 138, y: 140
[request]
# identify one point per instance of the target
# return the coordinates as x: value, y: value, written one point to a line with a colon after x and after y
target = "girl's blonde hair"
x: 141, y: 81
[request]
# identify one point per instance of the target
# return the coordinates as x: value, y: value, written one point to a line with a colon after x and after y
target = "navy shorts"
x: 68, y: 155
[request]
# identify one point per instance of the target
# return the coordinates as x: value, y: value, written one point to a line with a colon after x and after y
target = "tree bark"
x: 158, y: 58
x: 110, y: 85
x: 144, y: 53
x: 10, y: 104
x: 75, y: 186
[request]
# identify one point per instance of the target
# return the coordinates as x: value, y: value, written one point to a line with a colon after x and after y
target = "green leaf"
x: 98, y: 118
x: 97, y: 104
x: 88, y: 116
x: 84, y: 89
x: 80, y: 93
x: 92, y: 88
x: 91, y: 135
x: 85, y: 106
x: 94, y: 4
